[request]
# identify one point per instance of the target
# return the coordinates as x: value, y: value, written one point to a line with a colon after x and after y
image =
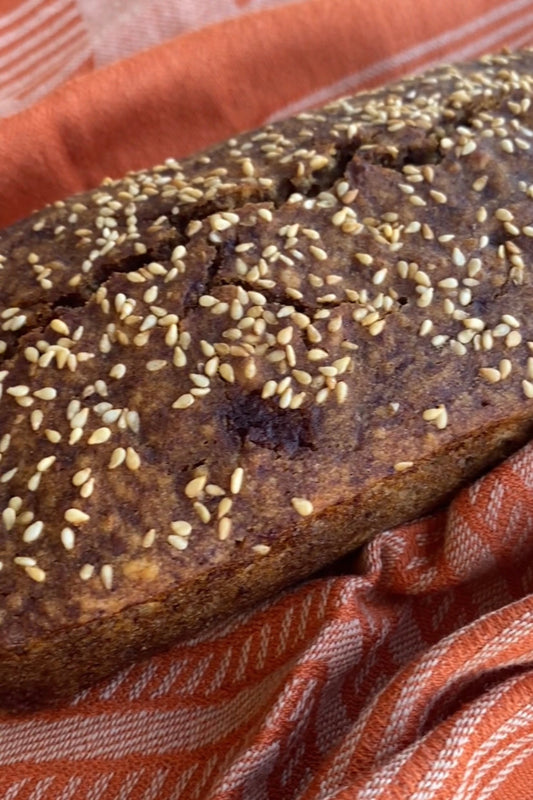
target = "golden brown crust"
x: 219, y: 376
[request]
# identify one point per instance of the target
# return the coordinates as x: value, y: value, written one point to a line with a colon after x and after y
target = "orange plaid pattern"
x: 408, y: 676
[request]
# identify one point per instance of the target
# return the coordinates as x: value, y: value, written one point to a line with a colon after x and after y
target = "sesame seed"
x: 448, y: 283
x: 261, y: 549
x: 458, y: 258
x: 527, y: 387
x: 236, y: 481
x: 34, y: 481
x: 508, y: 319
x: 68, y: 538
x: 18, y: 391
x: 46, y: 393
x: 379, y: 276
x: 133, y: 460
x: 35, y: 573
x: 118, y: 456
x: 213, y: 490
x: 106, y: 576
x: 81, y: 476
x: 318, y: 253
x: 438, y: 416
x: 86, y: 572
x: 183, y: 401
x: 224, y: 507
x: 513, y: 339
x: 195, y: 487
x: 149, y: 538
x: 181, y: 528
x: 76, y: 516
x: 503, y: 214
x: 425, y: 299
x: 269, y: 389
x: 302, y: 506
x: 36, y: 419
x: 33, y: 531
x: 365, y: 259
x: 99, y: 436
x: 505, y: 368
x: 227, y: 373
x: 45, y: 463
x: 7, y: 476
x: 202, y: 511
x: 316, y: 354
x: 224, y: 528
x: 341, y: 392
x: 156, y: 364
x: 60, y: 327
x: 402, y: 466
x: 376, y: 327
x: 178, y: 542
x: 8, y: 518
x: 490, y: 374
x: 474, y: 323
x: 24, y: 561
x: 439, y: 197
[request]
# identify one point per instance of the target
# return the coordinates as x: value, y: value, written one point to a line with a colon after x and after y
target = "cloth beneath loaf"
x: 407, y: 676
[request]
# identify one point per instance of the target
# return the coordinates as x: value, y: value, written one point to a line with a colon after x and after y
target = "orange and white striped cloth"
x: 410, y: 675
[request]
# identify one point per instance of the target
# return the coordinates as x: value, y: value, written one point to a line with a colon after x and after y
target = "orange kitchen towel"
x: 408, y: 676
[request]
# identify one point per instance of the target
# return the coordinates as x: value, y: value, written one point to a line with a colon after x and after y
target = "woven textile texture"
x: 408, y: 675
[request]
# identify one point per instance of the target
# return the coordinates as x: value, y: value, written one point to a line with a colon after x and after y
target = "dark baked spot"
x: 251, y: 420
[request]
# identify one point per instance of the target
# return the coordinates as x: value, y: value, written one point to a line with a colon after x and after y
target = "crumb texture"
x: 237, y: 367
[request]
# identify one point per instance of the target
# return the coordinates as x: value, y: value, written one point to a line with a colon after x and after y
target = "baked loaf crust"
x: 217, y: 376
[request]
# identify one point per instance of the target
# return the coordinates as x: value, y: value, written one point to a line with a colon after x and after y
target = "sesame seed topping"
x: 181, y: 528
x: 76, y: 516
x: 224, y: 528
x: 236, y: 481
x: 33, y: 531
x: 133, y: 460
x: 45, y: 463
x: 402, y: 466
x: 86, y: 572
x: 149, y: 538
x: 118, y: 456
x: 438, y: 416
x: 261, y: 549
x: 35, y: 573
x: 99, y: 436
x: 8, y: 518
x: 195, y: 487
x: 59, y: 326
x: 178, y: 542
x: 68, y: 538
x: 458, y: 258
x: 318, y: 253
x: 106, y: 576
x: 490, y: 374
x: 527, y: 387
x: 302, y: 506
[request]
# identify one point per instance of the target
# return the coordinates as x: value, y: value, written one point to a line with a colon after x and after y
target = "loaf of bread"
x: 217, y: 376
